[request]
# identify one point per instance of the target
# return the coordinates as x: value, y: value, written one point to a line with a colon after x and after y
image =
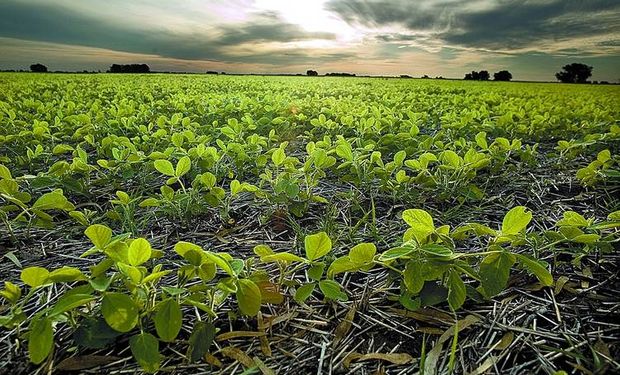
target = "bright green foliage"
x: 40, y: 339
x: 304, y: 292
x: 35, y: 276
x: 332, y: 290
x: 99, y: 235
x: 421, y: 224
x: 248, y: 297
x: 139, y: 252
x: 168, y: 320
x: 305, y: 154
x: 119, y: 311
x: 494, y: 272
x: 317, y: 245
x: 516, y: 220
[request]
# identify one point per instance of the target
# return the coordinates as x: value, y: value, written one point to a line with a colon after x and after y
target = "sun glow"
x: 311, y: 16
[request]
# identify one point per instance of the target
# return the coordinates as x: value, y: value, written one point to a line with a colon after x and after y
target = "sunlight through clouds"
x: 437, y: 37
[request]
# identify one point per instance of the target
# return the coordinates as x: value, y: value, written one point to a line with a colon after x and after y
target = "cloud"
x: 267, y: 27
x: 437, y: 37
x: 60, y: 24
x: 485, y: 24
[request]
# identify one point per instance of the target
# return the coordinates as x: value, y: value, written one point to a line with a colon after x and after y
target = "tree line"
x: 570, y: 73
x: 129, y: 68
x: 483, y: 75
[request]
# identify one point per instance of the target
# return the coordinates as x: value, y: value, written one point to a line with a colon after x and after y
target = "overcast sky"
x: 531, y: 38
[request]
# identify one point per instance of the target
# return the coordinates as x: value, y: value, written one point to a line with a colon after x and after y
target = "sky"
x: 532, y: 39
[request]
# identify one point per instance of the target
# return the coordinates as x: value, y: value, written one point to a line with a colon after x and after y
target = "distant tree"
x: 502, y: 75
x: 425, y: 76
x: 340, y: 74
x: 312, y: 73
x: 473, y: 76
x: 574, y: 73
x: 405, y: 76
x: 482, y: 75
x: 38, y: 68
x: 211, y: 72
x: 129, y: 68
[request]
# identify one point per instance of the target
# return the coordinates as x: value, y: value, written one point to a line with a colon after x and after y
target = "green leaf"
x: 168, y: 320
x: 363, y: 253
x: 190, y: 252
x: 145, y: 349
x: 316, y: 271
x: 317, y: 245
x: 235, y: 187
x: 437, y: 250
x: 573, y: 219
x: 603, y: 156
x: 200, y: 340
x: 135, y: 274
x: 54, y: 200
x: 99, y: 235
x: 456, y: 290
x: 481, y: 140
x: 516, y: 220
x: 263, y: 250
x: 340, y: 265
x: 248, y: 297
x: 5, y: 172
x: 586, y: 238
x: 344, y: 151
x: 94, y: 334
x: 332, y: 290
x: 304, y: 292
x: 100, y: 283
x: 34, y: 276
x: 413, y: 277
x: 278, y: 156
x: 421, y: 223
x: 123, y: 197
x: 410, y: 303
x: 119, y: 311
x: 149, y: 202
x: 282, y: 257
x: 220, y: 262
x: 40, y: 339
x: 139, y: 251
x: 66, y: 275
x: 536, y: 268
x: 433, y: 293
x: 164, y: 167
x: 69, y: 302
x: 395, y: 253
x: 156, y: 276
x: 183, y: 166
x: 11, y: 292
x: 494, y: 272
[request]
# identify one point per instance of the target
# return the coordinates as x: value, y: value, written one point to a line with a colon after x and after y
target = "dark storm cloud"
x: 57, y: 24
x: 507, y: 24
